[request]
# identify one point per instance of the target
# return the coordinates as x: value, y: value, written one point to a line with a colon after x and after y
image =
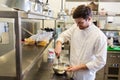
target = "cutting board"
x: 115, y: 48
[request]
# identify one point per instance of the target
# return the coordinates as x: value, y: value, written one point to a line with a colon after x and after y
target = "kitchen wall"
x: 56, y: 5
x: 111, y: 7
x: 3, y: 6
x: 2, y: 1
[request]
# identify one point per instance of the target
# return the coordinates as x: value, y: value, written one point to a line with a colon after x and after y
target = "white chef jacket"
x: 88, y: 46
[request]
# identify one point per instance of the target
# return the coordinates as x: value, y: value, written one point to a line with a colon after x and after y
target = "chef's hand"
x: 58, y: 48
x: 77, y: 67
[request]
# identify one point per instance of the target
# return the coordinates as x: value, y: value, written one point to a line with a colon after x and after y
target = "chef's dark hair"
x: 82, y: 11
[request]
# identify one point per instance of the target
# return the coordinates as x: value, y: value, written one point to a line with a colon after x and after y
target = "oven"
x: 112, y: 68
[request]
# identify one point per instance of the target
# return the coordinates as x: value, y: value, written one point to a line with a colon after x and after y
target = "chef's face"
x: 82, y: 23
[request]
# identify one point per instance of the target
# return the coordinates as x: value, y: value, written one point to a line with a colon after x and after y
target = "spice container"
x: 51, y: 53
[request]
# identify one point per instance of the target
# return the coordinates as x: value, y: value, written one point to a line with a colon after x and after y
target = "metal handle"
x: 58, y: 60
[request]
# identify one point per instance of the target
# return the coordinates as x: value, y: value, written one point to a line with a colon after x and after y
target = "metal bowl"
x: 60, y: 68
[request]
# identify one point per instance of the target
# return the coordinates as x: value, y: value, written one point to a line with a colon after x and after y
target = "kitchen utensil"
x: 60, y: 68
x: 46, y: 9
x: 58, y: 59
x: 46, y: 6
x: 38, y: 6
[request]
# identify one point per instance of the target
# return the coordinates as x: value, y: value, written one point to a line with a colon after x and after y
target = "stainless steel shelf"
x: 38, y: 16
x: 116, y: 52
x: 7, y: 64
x: 110, y: 30
x: 22, y: 14
x: 30, y: 55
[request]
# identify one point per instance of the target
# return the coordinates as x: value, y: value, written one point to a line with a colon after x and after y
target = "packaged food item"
x: 41, y: 43
x: 51, y: 53
x: 29, y: 41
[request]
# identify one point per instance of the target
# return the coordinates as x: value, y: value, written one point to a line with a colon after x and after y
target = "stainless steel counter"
x: 46, y: 72
x: 7, y: 64
x: 114, y: 52
x: 30, y: 55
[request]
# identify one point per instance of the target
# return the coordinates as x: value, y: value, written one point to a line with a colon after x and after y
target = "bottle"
x: 110, y: 42
x: 58, y: 30
x: 51, y: 53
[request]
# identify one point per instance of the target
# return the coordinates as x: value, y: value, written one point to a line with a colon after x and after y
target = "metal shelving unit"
x: 21, y: 59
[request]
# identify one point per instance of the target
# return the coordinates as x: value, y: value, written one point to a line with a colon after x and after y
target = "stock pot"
x: 18, y: 4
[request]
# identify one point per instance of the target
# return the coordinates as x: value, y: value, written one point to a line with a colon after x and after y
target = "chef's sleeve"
x: 100, y: 55
x: 66, y: 35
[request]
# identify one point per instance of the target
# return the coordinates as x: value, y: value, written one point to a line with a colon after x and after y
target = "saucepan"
x: 60, y: 68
